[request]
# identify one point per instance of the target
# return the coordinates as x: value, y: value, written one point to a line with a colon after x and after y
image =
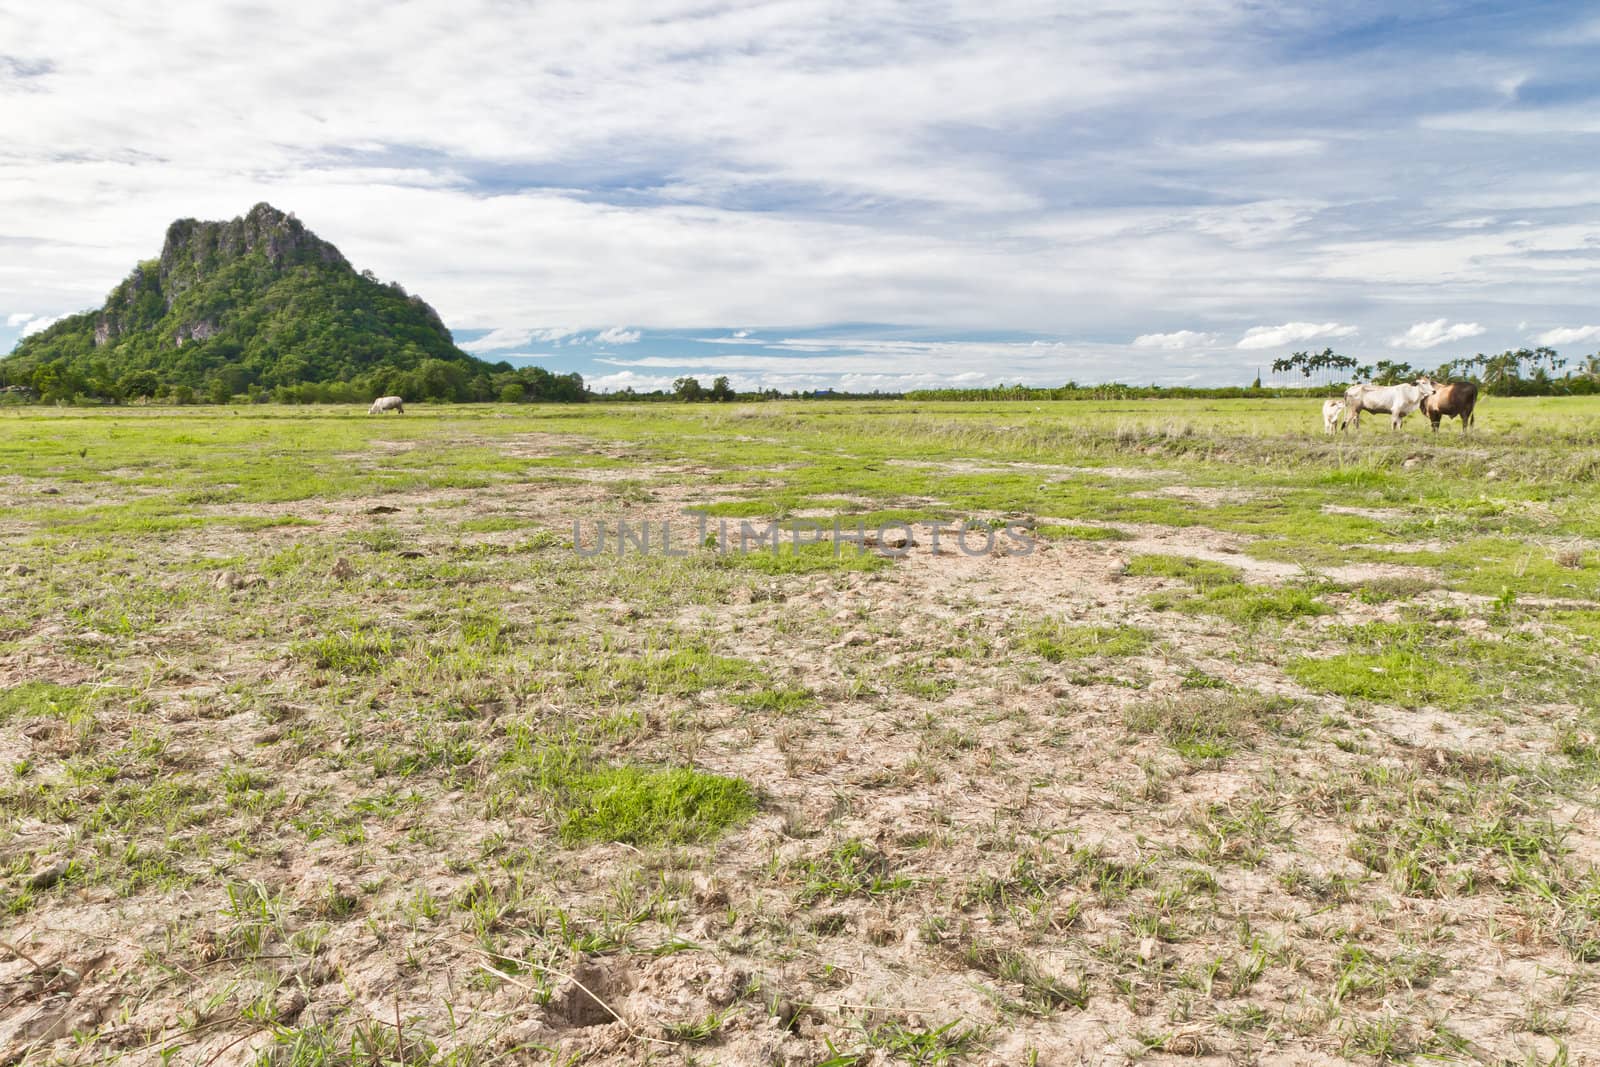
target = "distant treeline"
x: 429, y: 379
x: 690, y: 390
x: 1515, y: 372
x: 1111, y: 391
x: 1519, y: 372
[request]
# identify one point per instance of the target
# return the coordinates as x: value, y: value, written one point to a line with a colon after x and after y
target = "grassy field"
x: 321, y: 744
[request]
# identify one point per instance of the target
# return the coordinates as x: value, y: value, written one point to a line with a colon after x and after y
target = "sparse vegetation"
x: 321, y: 744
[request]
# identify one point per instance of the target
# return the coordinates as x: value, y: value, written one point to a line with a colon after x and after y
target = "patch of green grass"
x: 1058, y: 641
x: 777, y: 700
x: 1356, y: 478
x: 1417, y: 663
x: 1210, y: 725
x: 688, y: 669
x: 1244, y: 604
x: 893, y: 519
x: 789, y: 558
x: 1200, y: 573
x: 45, y: 700
x: 493, y: 524
x: 773, y: 508
x: 1583, y: 624
x: 1195, y: 678
x: 647, y: 806
x: 1060, y: 532
x: 358, y: 651
x: 1408, y: 677
x: 642, y: 806
x: 1483, y: 565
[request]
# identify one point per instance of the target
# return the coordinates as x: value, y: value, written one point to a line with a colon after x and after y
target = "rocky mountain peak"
x: 193, y: 246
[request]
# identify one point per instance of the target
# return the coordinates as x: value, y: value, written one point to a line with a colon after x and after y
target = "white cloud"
x: 1439, y: 331
x: 35, y: 325
x: 737, y: 337
x: 617, y: 335
x: 1255, y: 224
x: 17, y: 318
x: 516, y: 337
x: 495, y: 340
x: 1531, y: 122
x: 1569, y: 335
x: 1292, y: 333
x: 1176, y: 340
x: 1549, y: 256
x: 1261, y: 149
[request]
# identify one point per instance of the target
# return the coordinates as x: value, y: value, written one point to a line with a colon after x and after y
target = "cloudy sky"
x: 858, y: 194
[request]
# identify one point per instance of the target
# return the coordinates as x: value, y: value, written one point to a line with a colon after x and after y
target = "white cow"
x: 387, y: 403
x: 1398, y: 400
x: 1332, y: 414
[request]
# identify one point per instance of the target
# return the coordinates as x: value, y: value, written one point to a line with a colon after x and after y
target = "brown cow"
x: 1451, y: 399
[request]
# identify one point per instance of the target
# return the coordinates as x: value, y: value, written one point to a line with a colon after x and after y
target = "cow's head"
x: 1425, y: 385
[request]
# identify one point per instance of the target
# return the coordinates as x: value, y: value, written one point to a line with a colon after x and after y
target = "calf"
x: 1332, y: 414
x: 1451, y: 400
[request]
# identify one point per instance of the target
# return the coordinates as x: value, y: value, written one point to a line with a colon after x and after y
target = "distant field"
x: 320, y: 743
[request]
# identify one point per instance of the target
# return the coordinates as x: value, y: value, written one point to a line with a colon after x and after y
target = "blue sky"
x: 806, y: 193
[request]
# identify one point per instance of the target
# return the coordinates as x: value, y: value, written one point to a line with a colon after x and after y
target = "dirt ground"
x: 280, y: 790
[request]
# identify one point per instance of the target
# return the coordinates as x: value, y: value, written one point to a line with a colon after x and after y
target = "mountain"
x: 261, y: 306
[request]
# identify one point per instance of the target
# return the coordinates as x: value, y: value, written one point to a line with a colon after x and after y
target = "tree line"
x: 1519, y: 372
x: 429, y: 380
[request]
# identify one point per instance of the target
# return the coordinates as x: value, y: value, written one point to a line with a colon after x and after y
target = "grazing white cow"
x: 387, y: 403
x: 1398, y: 400
x: 1332, y: 412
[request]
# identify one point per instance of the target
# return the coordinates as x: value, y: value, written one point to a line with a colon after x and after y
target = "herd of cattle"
x: 1437, y: 400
